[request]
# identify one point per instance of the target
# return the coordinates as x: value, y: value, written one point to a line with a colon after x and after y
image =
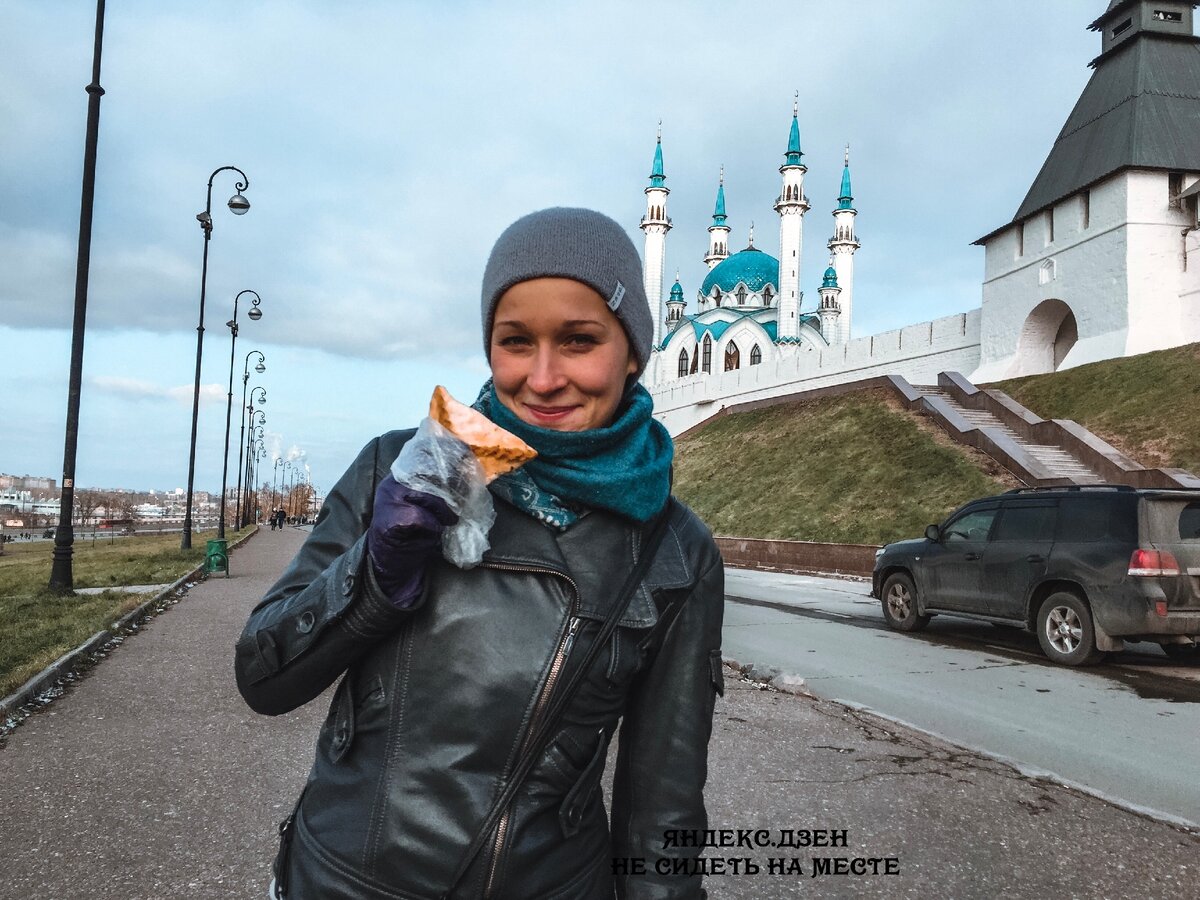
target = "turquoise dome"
x: 830, y: 278
x: 750, y: 266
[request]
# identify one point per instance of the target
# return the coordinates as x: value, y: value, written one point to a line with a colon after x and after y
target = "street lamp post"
x: 260, y: 368
x: 254, y: 313
x: 62, y: 579
x: 255, y: 439
x: 279, y: 461
x: 238, y: 205
x: 257, y: 452
x: 291, y: 489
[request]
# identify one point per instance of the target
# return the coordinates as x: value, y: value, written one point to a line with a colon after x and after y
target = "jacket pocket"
x: 347, y: 702
x: 716, y: 671
x: 583, y: 792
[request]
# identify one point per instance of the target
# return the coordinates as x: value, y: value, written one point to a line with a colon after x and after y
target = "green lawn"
x: 850, y: 469
x: 1144, y: 405
x: 37, y: 626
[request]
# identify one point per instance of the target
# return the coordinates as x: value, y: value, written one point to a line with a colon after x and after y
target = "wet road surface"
x: 1125, y: 730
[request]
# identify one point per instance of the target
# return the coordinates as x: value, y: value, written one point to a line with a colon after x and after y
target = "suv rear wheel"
x: 900, y: 604
x: 1065, y: 631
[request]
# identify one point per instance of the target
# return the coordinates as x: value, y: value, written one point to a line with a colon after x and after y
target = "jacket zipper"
x: 556, y: 666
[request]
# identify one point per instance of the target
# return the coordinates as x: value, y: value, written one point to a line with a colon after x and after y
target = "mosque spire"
x: 846, y: 198
x: 718, y: 231
x: 655, y: 224
x: 719, y: 209
x: 793, y: 150
x: 791, y: 207
x: 657, y: 178
x: 843, y: 244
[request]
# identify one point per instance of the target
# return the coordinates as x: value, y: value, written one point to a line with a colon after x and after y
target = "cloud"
x: 139, y: 389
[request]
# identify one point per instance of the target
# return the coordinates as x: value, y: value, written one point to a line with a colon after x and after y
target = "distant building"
x: 1101, y: 258
x: 27, y: 483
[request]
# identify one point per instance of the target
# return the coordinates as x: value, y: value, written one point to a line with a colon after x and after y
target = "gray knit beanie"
x: 572, y: 243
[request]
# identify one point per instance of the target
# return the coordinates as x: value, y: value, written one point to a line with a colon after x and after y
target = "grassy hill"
x: 1145, y: 406
x: 860, y: 469
x: 851, y: 469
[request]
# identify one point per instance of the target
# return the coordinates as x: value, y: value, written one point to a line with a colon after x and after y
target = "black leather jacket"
x: 435, y: 702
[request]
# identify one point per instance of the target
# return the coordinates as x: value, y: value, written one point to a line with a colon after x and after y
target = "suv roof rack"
x: 1072, y: 487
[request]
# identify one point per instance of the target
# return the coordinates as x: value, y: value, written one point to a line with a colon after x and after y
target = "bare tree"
x: 86, y: 503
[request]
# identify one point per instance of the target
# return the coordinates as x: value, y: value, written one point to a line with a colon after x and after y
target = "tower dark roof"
x: 1140, y: 109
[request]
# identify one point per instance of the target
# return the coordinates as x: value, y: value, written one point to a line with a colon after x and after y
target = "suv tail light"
x: 1152, y: 563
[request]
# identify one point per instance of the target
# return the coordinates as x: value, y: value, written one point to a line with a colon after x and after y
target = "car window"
x: 1189, y: 522
x: 971, y: 526
x: 1083, y: 520
x: 1026, y: 523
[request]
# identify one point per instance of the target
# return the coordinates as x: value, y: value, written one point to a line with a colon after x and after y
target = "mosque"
x: 749, y: 304
x: 1094, y: 265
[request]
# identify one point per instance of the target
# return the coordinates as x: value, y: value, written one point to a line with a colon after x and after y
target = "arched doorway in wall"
x: 1049, y: 333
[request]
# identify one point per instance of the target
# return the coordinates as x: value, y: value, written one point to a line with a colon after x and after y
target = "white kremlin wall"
x: 916, y: 352
x: 1116, y: 260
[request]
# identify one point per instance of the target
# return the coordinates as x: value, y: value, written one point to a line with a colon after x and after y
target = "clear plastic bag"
x: 438, y: 463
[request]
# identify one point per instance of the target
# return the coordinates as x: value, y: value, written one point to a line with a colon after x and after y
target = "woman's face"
x: 559, y: 356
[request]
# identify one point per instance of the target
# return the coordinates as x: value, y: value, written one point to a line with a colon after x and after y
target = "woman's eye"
x: 582, y: 340
x: 514, y: 341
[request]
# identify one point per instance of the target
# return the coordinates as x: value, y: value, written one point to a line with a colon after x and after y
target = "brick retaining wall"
x: 797, y: 556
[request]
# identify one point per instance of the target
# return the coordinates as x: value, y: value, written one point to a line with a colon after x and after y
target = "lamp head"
x: 260, y: 368
x: 238, y: 204
x: 255, y: 313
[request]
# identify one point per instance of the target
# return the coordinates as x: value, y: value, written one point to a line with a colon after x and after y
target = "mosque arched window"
x: 683, y: 363
x: 706, y: 362
x: 741, y: 295
x: 755, y: 355
x: 695, y: 360
x: 767, y: 295
x: 733, y: 358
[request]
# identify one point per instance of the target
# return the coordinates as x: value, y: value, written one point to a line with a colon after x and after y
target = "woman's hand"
x: 406, y: 532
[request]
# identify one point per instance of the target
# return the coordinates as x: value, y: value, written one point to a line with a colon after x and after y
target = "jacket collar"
x: 595, y: 553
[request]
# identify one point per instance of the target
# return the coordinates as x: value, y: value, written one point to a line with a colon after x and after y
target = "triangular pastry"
x: 497, y: 450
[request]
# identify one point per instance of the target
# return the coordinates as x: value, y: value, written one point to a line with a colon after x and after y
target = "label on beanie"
x: 617, y: 296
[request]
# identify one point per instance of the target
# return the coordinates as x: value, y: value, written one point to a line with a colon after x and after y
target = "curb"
x: 769, y: 678
x: 66, y: 665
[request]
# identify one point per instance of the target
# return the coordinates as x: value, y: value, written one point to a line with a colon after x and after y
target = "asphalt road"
x: 1125, y: 730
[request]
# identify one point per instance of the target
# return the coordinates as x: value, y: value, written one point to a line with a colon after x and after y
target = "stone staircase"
x: 1058, y: 462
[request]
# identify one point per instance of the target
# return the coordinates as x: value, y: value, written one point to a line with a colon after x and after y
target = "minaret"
x: 829, y: 310
x: 656, y: 225
x: 791, y: 207
x: 675, y: 305
x: 718, y: 231
x: 843, y: 244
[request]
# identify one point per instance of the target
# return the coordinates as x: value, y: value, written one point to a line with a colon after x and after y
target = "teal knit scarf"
x: 624, y: 467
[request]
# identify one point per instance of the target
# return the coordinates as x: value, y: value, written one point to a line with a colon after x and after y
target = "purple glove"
x: 405, y: 534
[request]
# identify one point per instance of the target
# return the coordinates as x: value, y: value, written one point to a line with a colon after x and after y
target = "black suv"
x: 1081, y: 567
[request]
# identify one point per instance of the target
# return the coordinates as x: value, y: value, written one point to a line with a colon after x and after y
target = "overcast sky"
x: 387, y: 144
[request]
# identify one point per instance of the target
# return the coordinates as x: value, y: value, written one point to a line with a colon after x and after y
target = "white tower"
x: 843, y: 244
x: 718, y: 231
x: 830, y: 311
x: 791, y: 207
x: 656, y: 225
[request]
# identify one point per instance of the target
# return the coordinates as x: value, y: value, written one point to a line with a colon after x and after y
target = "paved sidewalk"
x: 152, y: 779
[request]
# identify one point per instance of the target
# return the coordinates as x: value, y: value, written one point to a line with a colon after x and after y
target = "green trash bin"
x: 216, y: 556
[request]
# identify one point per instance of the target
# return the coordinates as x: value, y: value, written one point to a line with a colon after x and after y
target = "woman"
x: 448, y: 672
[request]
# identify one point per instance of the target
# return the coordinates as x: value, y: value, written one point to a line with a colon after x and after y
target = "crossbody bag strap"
x: 561, y: 698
